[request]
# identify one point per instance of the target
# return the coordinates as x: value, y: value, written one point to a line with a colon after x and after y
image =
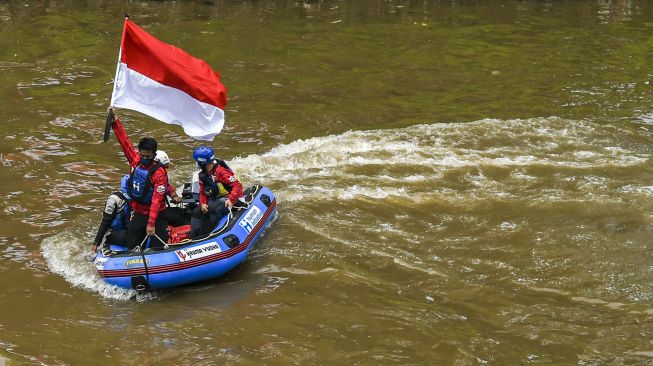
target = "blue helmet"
x: 203, y: 155
x: 124, y: 185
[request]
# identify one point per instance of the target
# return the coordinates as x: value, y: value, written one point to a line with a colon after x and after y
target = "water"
x: 459, y: 183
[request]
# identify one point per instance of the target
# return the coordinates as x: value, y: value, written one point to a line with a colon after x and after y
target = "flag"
x: 166, y: 83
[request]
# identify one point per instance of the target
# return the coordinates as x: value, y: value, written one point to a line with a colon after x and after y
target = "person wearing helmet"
x: 114, y: 217
x: 147, y: 187
x: 219, y: 189
x: 162, y: 157
x: 176, y: 216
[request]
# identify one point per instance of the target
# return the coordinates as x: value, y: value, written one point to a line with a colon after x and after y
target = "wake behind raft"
x: 192, y: 260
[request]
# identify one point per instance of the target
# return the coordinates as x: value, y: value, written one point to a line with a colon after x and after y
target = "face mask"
x: 146, y: 161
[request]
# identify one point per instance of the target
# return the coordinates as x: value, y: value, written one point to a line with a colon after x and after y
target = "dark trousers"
x: 116, y: 238
x: 136, y: 230
x: 176, y: 216
x: 202, y: 223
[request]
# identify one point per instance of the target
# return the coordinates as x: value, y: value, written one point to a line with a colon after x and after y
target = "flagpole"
x: 115, y: 78
x: 110, y: 116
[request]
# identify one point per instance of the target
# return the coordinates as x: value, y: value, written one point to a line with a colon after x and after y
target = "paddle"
x: 107, y: 125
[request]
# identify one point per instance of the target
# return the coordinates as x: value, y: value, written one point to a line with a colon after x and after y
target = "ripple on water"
x: 15, y: 252
x: 38, y: 82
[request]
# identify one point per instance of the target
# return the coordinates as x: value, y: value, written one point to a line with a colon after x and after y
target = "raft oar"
x: 107, y: 125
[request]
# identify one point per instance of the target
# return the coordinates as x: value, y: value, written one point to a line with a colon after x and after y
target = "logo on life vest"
x: 136, y: 186
x: 251, y: 219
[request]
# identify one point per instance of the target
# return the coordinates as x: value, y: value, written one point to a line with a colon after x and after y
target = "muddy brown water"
x: 459, y: 183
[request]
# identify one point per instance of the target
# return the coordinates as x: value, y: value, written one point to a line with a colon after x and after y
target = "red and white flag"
x: 168, y: 84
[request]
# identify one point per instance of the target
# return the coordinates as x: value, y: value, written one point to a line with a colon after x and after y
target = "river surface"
x: 458, y: 183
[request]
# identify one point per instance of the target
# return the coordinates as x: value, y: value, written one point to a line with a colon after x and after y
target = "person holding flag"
x: 167, y: 84
x: 147, y: 187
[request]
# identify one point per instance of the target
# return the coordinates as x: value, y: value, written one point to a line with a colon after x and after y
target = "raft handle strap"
x: 161, y: 240
x: 147, y: 275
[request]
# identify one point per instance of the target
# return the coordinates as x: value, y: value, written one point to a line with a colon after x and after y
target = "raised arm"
x: 125, y: 143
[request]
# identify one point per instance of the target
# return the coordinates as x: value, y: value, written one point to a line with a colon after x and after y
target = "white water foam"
x: 65, y: 253
x: 414, y: 158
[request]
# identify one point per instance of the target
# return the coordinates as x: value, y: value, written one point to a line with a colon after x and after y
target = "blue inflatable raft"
x: 193, y: 260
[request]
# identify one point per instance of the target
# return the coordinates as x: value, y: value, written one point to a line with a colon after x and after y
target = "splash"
x: 66, y: 255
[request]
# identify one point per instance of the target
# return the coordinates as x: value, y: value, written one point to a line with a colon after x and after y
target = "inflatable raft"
x: 192, y: 260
